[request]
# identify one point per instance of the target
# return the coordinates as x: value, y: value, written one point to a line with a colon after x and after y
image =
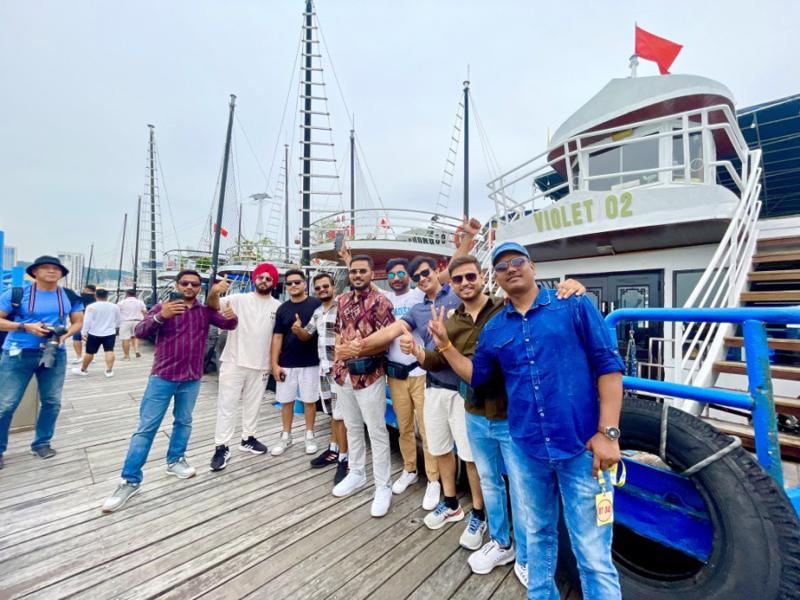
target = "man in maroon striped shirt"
x: 181, y: 329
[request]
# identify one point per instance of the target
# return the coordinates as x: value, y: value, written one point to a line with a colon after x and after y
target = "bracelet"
x: 157, y: 320
x: 445, y: 348
x: 21, y: 327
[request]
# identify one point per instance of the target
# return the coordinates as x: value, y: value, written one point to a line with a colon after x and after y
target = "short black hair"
x: 421, y: 260
x: 364, y: 258
x: 130, y: 293
x: 319, y: 276
x: 395, y: 262
x: 101, y: 294
x: 90, y: 286
x: 183, y: 272
x: 294, y: 272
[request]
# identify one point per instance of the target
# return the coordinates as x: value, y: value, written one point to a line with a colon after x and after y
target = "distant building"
x: 9, y: 257
x: 74, y: 261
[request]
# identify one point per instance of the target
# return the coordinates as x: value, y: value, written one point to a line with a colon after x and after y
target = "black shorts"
x: 93, y: 343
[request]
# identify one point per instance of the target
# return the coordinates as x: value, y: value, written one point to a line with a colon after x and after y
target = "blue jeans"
x: 15, y: 374
x: 152, y: 409
x: 572, y: 479
x: 491, y: 447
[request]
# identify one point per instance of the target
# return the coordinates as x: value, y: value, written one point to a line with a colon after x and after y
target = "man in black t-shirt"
x: 295, y: 363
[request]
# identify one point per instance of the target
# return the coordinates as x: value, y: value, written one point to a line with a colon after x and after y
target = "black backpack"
x: 16, y: 302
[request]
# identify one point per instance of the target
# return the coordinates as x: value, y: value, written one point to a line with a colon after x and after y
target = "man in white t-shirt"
x: 99, y: 329
x: 132, y: 310
x: 245, y: 365
x: 407, y: 387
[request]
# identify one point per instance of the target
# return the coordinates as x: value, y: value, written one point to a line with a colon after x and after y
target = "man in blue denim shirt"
x: 564, y: 381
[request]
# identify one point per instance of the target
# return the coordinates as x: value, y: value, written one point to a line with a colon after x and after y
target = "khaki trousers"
x: 408, y: 398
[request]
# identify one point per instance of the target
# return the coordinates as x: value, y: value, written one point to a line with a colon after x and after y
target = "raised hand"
x: 297, y: 325
x: 170, y: 309
x: 221, y: 287
x: 569, y: 287
x: 437, y: 328
x: 228, y: 313
x: 344, y: 254
x: 471, y: 226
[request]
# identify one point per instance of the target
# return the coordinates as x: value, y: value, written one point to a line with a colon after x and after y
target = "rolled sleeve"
x: 148, y: 326
x: 600, y: 347
x: 410, y: 319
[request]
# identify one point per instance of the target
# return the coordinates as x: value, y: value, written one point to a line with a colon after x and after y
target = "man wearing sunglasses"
x: 563, y: 377
x: 295, y: 362
x: 486, y: 416
x: 323, y: 324
x: 180, y: 328
x: 245, y: 365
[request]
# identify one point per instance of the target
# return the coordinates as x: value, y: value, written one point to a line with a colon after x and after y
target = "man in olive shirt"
x: 487, y: 421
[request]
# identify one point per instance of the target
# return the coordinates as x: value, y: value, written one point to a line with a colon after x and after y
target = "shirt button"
x: 527, y: 340
x: 541, y: 413
x: 531, y: 362
x: 536, y: 387
x: 547, y: 439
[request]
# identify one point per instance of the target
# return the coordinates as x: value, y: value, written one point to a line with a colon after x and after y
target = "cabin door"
x: 636, y: 289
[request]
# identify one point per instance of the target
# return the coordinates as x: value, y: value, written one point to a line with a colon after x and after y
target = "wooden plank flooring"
x: 265, y: 527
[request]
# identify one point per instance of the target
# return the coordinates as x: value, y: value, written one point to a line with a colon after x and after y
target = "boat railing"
x: 252, y: 253
x: 391, y: 225
x: 565, y: 168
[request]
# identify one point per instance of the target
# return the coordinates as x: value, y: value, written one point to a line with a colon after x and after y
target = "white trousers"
x: 366, y: 407
x: 238, y: 385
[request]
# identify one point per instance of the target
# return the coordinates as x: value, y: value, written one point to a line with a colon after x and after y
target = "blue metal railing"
x: 759, y: 397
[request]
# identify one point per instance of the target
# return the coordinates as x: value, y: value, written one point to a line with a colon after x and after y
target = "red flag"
x: 384, y: 222
x: 222, y: 231
x: 657, y: 49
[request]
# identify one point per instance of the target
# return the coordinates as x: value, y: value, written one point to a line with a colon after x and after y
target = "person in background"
x: 100, y: 323
x: 180, y: 328
x: 132, y: 310
x: 87, y: 298
x: 44, y: 305
x: 295, y: 363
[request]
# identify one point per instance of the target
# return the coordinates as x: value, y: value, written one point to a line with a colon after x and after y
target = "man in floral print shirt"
x: 361, y: 388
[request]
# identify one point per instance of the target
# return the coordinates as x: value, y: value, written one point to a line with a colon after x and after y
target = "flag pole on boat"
x: 136, y: 245
x: 220, y: 205
x: 121, y: 253
x: 466, y: 145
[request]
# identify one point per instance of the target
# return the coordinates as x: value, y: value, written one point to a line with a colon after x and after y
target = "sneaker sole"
x: 323, y: 465
x: 36, y: 454
x: 224, y: 464
x: 110, y: 510
x: 498, y: 564
x: 446, y: 521
x: 274, y: 453
x: 477, y: 547
x: 251, y: 450
x: 174, y: 474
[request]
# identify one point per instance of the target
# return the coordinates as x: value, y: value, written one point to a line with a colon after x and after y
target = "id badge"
x: 604, y: 504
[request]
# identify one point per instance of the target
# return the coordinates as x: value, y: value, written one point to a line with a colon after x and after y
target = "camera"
x: 54, y: 333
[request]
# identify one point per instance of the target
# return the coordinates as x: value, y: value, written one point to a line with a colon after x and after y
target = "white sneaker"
x: 521, y: 571
x: 490, y: 556
x: 472, y: 538
x: 79, y: 371
x: 311, y: 443
x: 442, y: 516
x: 405, y: 480
x: 432, y: 493
x: 350, y: 484
x: 381, y: 502
x: 109, y: 374
x: 76, y: 361
x: 283, y: 444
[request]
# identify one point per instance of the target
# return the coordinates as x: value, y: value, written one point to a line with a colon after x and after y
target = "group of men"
x: 528, y: 387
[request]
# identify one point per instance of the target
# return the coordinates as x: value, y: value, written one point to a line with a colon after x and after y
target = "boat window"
x: 695, y: 158
x: 684, y: 284
x: 605, y: 162
x: 640, y: 156
x: 637, y: 156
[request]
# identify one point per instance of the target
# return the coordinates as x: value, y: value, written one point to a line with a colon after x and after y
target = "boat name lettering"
x: 584, y: 211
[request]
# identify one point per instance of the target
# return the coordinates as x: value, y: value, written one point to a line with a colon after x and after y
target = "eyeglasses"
x: 295, y: 282
x: 189, y: 283
x: 517, y: 262
x: 458, y: 279
x: 263, y: 278
x: 359, y: 271
x: 417, y: 276
x: 399, y: 275
x: 324, y: 286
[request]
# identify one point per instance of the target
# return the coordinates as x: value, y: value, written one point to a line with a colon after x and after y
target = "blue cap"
x: 509, y: 247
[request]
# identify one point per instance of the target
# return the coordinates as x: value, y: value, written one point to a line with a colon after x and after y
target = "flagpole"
x: 632, y: 64
x: 221, y: 203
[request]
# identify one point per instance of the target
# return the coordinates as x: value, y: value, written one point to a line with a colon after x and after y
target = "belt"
x: 433, y: 382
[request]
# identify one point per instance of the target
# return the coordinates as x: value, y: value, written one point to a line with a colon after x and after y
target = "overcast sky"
x: 80, y: 80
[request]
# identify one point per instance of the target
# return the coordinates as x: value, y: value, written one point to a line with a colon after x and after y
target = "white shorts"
x: 446, y: 423
x: 126, y: 329
x: 302, y: 383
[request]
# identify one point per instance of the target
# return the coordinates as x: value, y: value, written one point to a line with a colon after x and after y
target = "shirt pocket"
x: 505, y: 351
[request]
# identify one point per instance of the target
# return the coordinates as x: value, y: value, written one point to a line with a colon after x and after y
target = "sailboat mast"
x: 307, y: 95
x: 121, y: 253
x: 353, y: 183
x: 136, y: 245
x: 223, y: 183
x: 89, y: 269
x: 466, y: 148
x: 153, y: 283
x: 286, y: 199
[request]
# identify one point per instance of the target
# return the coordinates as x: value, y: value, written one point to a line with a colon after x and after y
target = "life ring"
x: 755, y: 550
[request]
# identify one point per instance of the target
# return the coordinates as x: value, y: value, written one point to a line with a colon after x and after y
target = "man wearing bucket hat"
x: 245, y: 365
x: 34, y: 346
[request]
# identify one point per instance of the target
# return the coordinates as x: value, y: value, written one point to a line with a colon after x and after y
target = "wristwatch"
x: 611, y: 433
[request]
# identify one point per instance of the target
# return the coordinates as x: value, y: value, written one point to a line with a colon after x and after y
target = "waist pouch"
x: 365, y: 364
x: 398, y: 370
x: 431, y: 381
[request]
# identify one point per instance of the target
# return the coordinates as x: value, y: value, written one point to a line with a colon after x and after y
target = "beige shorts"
x: 446, y: 423
x: 126, y: 329
x: 302, y: 383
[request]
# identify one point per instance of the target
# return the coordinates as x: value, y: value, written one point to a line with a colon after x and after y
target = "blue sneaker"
x: 472, y: 538
x: 442, y: 515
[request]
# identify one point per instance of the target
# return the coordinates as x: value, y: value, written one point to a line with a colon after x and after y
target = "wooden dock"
x: 265, y: 527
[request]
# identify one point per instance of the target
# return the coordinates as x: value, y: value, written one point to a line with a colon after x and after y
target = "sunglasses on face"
x: 399, y: 275
x: 194, y: 284
x: 417, y: 276
x: 517, y: 262
x: 324, y: 286
x: 458, y: 279
x: 359, y: 271
x: 263, y: 278
x: 295, y: 282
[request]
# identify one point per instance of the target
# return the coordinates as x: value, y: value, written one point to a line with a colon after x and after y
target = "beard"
x: 264, y: 291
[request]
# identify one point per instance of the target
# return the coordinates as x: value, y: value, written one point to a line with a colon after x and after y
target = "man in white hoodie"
x: 245, y: 365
